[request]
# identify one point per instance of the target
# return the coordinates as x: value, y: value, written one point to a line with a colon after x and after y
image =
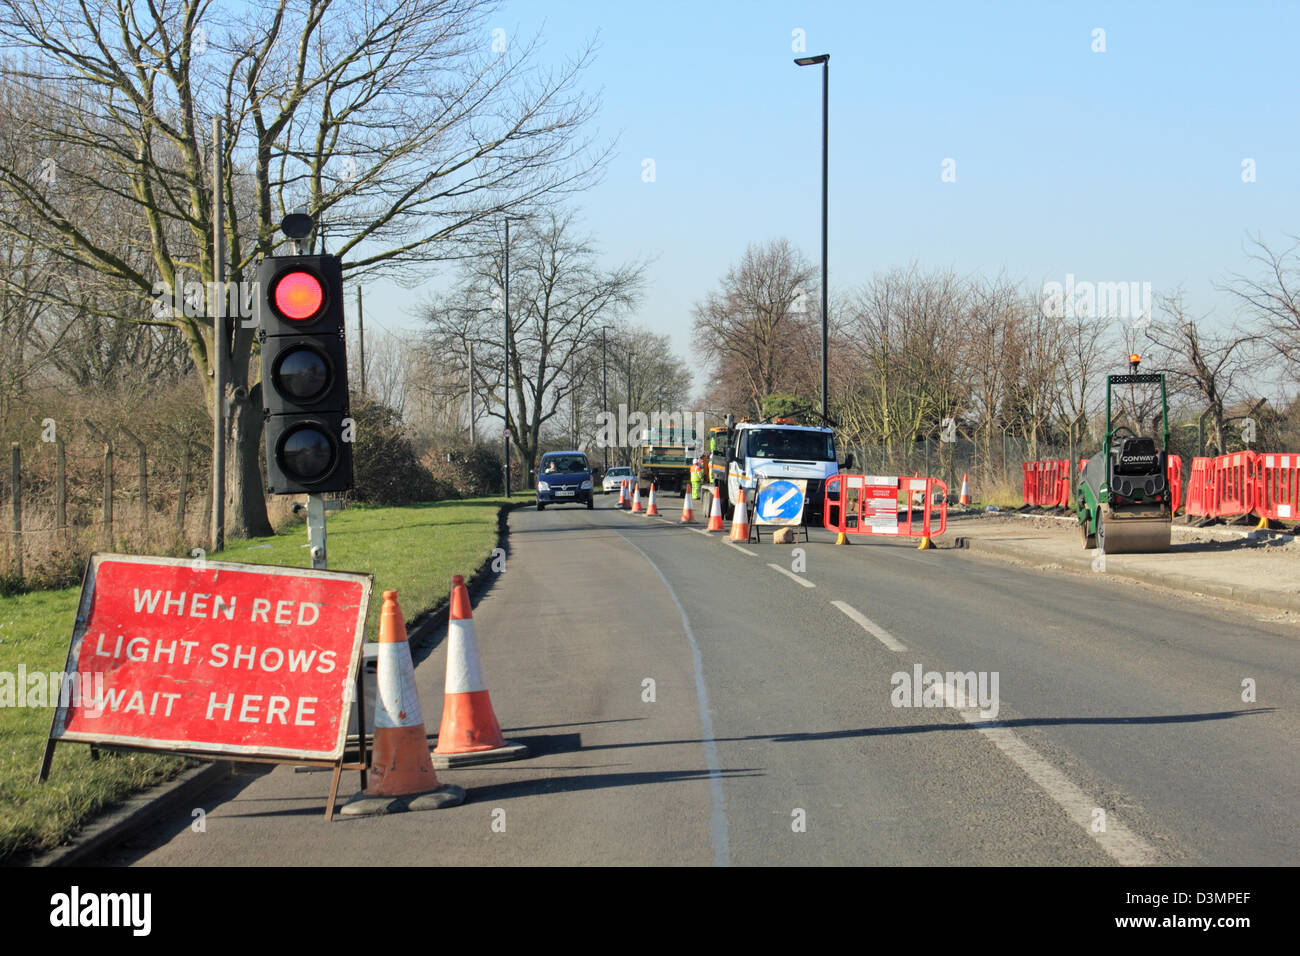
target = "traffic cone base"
x: 470, y: 732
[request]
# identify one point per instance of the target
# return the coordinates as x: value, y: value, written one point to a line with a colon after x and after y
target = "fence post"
x: 185, y: 481
x: 143, y: 461
x: 207, y: 515
x: 16, y: 495
x: 108, y: 493
x: 60, y: 487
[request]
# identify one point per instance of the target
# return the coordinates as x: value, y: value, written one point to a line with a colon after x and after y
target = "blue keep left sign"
x: 780, y: 502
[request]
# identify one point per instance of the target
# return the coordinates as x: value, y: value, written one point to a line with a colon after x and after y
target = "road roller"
x: 1123, y: 500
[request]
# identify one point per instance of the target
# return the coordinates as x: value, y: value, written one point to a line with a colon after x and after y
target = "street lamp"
x: 505, y: 397
x: 825, y: 60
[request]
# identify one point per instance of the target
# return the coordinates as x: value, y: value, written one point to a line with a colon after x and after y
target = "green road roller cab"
x: 1124, y: 500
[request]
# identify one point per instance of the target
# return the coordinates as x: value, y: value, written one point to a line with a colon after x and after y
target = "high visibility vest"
x: 695, y: 470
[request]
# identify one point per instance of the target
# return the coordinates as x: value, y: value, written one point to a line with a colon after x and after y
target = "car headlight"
x: 543, y: 486
x: 586, y: 485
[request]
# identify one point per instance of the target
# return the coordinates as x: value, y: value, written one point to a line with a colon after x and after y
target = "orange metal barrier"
x: 869, y: 504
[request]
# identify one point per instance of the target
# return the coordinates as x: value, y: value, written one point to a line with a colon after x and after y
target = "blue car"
x: 564, y: 478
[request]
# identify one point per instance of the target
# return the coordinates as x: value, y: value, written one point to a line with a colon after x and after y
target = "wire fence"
x: 63, y: 501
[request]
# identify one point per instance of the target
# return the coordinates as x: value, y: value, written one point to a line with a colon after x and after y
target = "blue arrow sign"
x: 780, y: 501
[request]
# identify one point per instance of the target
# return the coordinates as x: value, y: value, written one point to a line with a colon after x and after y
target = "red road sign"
x: 215, y: 657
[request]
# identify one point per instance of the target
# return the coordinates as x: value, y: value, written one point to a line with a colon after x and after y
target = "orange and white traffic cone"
x: 740, y: 520
x: 469, y: 733
x: 715, y: 512
x: 622, y: 494
x: 636, y: 499
x: 401, y: 771
x: 964, y: 499
x: 688, y: 512
x: 652, y: 510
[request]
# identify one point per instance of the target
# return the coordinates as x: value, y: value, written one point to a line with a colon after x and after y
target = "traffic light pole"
x: 316, y: 508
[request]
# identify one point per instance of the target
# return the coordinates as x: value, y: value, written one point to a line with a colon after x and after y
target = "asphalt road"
x: 777, y: 732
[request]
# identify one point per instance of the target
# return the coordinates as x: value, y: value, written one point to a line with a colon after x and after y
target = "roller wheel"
x: 1089, y: 540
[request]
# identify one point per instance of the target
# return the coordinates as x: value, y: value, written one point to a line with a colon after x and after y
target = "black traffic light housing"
x: 299, y: 312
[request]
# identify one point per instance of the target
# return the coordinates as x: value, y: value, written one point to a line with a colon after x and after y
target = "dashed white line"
x: 870, y: 626
x: 794, y: 577
x: 739, y: 548
x: 1120, y: 843
x: 701, y: 531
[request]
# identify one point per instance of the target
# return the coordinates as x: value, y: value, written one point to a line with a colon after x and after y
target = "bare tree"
x: 756, y: 333
x: 1274, y: 297
x: 1206, y: 365
x: 559, y: 298
x: 390, y: 121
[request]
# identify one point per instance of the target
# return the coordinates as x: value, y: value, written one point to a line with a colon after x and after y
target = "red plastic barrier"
x: 1200, y: 489
x: 869, y: 504
x: 1174, y: 469
x: 1277, y: 487
x: 1234, y: 484
x: 1061, y: 494
x: 1047, y: 483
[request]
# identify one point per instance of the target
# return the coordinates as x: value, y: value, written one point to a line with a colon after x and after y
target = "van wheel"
x: 540, y: 506
x: 590, y: 504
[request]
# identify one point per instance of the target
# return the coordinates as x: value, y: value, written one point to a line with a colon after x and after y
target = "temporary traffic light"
x: 299, y: 312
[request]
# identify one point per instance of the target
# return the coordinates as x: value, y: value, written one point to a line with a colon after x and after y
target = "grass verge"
x: 414, y: 550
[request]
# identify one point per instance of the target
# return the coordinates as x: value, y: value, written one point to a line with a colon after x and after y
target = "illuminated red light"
x: 298, y: 296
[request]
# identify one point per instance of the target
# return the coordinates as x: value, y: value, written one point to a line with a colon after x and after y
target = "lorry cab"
x: 776, y: 449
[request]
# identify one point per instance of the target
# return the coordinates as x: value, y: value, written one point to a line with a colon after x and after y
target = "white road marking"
x: 870, y: 626
x: 794, y: 577
x: 739, y: 548
x: 701, y: 531
x: 721, y: 846
x: 1120, y: 843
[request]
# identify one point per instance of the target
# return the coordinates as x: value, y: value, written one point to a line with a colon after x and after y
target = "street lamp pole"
x: 604, y: 399
x: 506, y: 368
x: 825, y: 60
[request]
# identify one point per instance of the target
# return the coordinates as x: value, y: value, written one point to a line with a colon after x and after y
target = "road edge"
x: 143, y: 807
x: 1176, y: 582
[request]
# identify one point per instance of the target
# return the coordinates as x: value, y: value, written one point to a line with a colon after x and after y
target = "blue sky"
x: 1123, y: 165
